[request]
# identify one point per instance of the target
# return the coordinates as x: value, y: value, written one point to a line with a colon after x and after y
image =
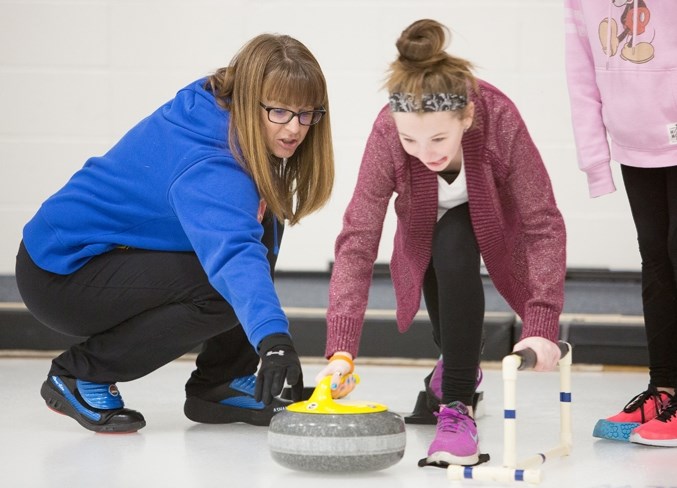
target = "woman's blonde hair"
x: 424, y: 67
x: 278, y: 67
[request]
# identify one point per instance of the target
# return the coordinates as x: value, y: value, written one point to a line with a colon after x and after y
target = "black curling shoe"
x: 232, y: 402
x: 95, y: 406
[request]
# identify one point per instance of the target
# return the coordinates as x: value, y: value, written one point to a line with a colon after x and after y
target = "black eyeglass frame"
x: 320, y: 111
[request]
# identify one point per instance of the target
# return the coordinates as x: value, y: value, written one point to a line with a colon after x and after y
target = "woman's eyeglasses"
x: 283, y: 116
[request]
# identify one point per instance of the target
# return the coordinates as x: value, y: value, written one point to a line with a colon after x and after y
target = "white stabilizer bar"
x: 538, y: 459
x: 491, y: 473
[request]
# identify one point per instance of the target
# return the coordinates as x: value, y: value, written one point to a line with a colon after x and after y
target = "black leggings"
x: 139, y: 310
x: 652, y: 194
x: 454, y: 297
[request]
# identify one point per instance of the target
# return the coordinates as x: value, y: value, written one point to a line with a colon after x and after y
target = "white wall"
x: 76, y: 74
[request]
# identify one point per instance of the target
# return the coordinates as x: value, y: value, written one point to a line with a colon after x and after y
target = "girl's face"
x: 433, y: 137
x: 282, y: 139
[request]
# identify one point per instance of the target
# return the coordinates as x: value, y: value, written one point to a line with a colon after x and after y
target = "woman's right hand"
x: 262, y: 211
x: 340, y: 368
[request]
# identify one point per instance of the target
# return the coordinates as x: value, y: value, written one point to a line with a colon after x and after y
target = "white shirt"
x: 451, y: 195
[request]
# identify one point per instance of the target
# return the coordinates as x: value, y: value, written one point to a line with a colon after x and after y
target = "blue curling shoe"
x: 96, y: 406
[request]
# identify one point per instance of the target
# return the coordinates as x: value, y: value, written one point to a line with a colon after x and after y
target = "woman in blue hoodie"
x: 168, y: 242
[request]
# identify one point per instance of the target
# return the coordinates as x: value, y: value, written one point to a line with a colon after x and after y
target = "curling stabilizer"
x: 526, y: 469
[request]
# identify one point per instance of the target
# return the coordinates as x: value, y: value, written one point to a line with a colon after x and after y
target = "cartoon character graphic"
x: 634, y: 20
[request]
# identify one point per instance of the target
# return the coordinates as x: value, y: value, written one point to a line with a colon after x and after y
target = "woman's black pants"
x: 138, y: 310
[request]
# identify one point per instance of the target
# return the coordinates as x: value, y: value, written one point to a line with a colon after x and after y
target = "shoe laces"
x: 640, y: 400
x: 453, y: 418
x: 669, y: 411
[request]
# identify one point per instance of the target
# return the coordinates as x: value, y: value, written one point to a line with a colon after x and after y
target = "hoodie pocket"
x: 638, y: 107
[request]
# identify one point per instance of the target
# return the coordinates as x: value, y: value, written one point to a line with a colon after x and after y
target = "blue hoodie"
x: 170, y: 184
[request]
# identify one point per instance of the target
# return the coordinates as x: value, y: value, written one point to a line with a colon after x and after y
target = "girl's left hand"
x: 547, y: 352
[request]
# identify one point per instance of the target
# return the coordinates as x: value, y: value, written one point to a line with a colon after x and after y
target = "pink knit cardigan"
x: 519, y: 230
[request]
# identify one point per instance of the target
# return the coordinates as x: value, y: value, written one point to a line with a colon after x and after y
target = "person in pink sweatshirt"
x: 470, y: 184
x: 621, y: 63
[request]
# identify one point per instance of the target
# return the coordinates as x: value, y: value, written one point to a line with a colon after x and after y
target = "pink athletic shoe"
x: 456, y: 440
x: 640, y: 409
x: 661, y: 431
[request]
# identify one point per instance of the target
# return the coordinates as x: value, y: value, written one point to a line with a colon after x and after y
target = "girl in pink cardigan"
x: 470, y: 184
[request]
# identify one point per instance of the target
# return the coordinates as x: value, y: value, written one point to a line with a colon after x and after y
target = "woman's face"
x: 433, y: 137
x: 282, y: 140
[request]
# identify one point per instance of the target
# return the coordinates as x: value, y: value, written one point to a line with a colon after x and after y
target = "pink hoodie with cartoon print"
x: 621, y: 63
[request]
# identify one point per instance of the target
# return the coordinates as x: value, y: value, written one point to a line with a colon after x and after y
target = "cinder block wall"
x: 76, y: 74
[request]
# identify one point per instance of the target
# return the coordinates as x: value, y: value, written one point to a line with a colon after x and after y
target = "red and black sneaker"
x: 660, y: 431
x: 640, y: 409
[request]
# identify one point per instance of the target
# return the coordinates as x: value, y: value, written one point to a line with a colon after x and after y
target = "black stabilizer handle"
x: 529, y: 358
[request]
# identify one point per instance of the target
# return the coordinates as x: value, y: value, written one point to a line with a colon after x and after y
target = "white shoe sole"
x: 442, y: 457
x: 637, y: 439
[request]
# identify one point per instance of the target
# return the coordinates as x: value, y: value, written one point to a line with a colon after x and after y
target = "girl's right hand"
x: 547, y: 352
x: 340, y: 368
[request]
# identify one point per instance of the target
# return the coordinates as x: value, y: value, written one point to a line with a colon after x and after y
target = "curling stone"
x: 321, y: 434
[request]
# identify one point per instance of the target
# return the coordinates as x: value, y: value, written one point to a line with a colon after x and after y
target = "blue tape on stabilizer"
x: 519, y: 475
x: 467, y: 472
x: 565, y: 396
x: 509, y: 414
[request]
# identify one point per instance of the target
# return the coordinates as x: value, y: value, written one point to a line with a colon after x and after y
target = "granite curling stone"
x: 324, y: 435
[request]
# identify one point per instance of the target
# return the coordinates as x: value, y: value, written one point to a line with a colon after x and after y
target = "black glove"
x: 279, y: 362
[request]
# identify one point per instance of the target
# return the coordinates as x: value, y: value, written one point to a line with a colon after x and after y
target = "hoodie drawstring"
x: 635, y: 14
x: 608, y: 35
x: 276, y: 247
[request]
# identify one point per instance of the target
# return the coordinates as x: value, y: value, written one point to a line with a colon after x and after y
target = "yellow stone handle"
x: 321, y: 402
